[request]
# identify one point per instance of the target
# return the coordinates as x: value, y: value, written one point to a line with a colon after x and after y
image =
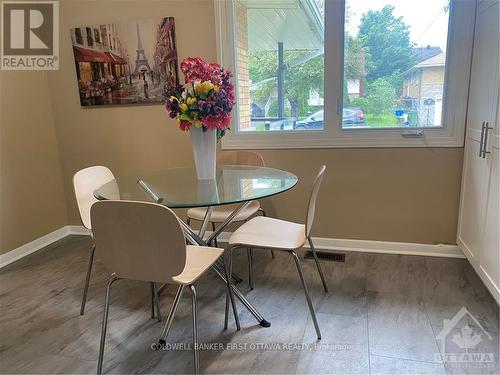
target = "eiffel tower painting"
x: 125, y: 63
x: 141, y: 61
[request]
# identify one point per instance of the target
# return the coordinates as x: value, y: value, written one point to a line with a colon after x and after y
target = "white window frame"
x: 458, y: 62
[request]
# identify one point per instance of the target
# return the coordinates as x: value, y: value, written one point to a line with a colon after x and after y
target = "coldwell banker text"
x: 30, y: 35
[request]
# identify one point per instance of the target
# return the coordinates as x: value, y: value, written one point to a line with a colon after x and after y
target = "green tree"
x: 380, y: 98
x: 386, y: 39
x: 299, y: 78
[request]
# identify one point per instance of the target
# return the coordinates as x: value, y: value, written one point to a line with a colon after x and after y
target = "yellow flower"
x: 190, y: 101
x: 183, y: 107
x: 216, y: 88
x: 196, y: 123
x: 203, y: 87
x: 172, y: 98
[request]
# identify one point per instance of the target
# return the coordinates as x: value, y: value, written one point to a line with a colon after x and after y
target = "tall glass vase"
x: 204, y: 147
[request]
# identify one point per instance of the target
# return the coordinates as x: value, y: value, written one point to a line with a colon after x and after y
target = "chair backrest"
x: 311, y: 209
x: 139, y: 240
x: 85, y: 182
x: 240, y: 158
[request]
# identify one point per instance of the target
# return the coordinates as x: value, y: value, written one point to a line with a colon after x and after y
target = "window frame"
x: 455, y: 96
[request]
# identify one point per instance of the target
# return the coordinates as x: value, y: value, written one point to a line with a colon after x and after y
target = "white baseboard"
x: 383, y: 247
x: 328, y: 244
x: 33, y: 246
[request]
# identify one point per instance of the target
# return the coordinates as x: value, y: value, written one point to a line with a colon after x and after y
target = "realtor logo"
x: 465, y: 344
x: 30, y: 35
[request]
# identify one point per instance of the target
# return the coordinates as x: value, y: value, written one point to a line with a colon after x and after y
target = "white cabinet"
x: 479, y: 226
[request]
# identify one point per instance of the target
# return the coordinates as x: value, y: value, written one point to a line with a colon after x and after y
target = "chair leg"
x: 157, y: 301
x: 215, y: 239
x: 170, y: 317
x: 195, y: 331
x: 306, y: 291
x: 264, y: 214
x: 152, y: 290
x: 250, y: 267
x: 318, y: 265
x: 104, y: 325
x: 228, y: 268
x: 87, y: 280
x: 188, y: 221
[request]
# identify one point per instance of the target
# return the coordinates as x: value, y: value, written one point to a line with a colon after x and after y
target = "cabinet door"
x: 490, y: 250
x: 481, y: 103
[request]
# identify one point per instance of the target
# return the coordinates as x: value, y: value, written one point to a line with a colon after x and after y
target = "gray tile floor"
x: 384, y: 314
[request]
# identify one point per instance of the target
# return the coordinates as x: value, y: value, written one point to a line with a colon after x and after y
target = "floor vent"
x: 323, y: 255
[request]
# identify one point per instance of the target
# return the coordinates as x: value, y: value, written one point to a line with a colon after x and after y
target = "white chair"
x: 85, y: 182
x: 268, y: 233
x: 220, y: 214
x: 144, y: 241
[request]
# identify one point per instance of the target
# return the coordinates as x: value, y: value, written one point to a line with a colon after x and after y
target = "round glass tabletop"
x: 179, y: 187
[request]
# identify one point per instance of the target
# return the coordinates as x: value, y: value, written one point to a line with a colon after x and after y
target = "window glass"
x: 394, y: 63
x: 280, y: 68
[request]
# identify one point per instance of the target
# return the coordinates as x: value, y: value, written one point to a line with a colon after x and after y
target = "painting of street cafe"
x: 125, y: 63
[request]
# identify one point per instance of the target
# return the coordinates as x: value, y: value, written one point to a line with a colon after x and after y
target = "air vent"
x: 323, y: 255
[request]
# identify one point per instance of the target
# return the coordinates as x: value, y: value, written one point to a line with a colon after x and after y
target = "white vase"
x: 204, y: 146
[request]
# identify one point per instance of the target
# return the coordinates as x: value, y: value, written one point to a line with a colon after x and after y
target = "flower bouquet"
x: 203, y: 106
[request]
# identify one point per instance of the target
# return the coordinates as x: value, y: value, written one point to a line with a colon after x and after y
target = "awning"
x: 115, y: 58
x: 87, y: 55
x: 172, y: 55
x: 298, y: 24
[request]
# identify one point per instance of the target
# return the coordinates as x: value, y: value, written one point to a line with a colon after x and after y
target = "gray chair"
x: 144, y: 241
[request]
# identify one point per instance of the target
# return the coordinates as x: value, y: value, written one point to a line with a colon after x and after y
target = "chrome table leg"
x: 228, y: 267
x: 192, y: 237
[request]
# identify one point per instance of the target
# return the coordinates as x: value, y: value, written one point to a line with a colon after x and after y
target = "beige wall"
x: 433, y: 75
x: 382, y: 194
x: 32, y: 200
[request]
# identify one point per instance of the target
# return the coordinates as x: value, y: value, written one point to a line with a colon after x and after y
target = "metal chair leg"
x: 261, y: 210
x: 170, y: 317
x: 306, y: 291
x: 215, y: 239
x: 152, y: 290
x: 250, y: 267
x: 157, y: 301
x: 318, y: 265
x: 87, y: 280
x: 104, y: 325
x: 188, y: 221
x: 195, y: 331
x: 228, y: 268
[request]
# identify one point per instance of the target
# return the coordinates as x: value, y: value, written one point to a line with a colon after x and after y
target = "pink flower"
x: 217, y: 122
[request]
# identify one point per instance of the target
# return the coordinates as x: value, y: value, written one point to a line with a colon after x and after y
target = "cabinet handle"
x: 481, y: 141
x: 486, y: 128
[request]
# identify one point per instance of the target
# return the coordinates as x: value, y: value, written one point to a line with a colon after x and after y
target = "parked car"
x: 350, y: 117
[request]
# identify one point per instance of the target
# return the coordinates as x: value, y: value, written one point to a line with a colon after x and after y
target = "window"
x: 387, y: 49
x: 353, y: 73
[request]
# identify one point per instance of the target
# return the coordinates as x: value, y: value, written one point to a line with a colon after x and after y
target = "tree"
x: 299, y: 78
x: 386, y: 39
x: 380, y: 98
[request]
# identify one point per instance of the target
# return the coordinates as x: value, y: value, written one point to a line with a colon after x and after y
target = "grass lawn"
x: 385, y: 121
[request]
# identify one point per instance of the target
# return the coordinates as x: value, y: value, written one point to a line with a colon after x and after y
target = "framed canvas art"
x: 125, y: 63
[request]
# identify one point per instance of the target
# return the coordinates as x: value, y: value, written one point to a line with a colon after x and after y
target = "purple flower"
x: 204, y: 107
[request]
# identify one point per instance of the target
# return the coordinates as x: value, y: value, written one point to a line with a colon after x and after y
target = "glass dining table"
x: 180, y: 188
